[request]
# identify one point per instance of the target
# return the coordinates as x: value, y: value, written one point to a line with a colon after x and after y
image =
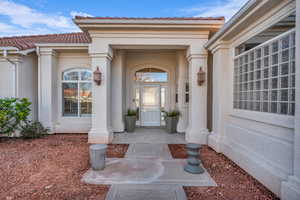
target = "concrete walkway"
x: 158, y: 151
x: 147, y: 172
x: 150, y: 136
x: 148, y: 191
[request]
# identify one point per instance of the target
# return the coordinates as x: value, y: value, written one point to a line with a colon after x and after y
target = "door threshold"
x: 151, y: 127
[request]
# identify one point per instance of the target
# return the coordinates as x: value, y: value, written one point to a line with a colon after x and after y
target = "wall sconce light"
x: 201, y: 76
x: 97, y: 76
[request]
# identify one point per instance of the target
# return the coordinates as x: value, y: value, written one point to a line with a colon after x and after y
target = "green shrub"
x: 172, y: 113
x: 13, y: 114
x: 33, y: 130
x: 131, y: 112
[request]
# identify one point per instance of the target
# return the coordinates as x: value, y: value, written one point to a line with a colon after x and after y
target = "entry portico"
x: 121, y: 47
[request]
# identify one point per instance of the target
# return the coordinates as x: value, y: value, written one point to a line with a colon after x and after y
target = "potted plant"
x: 130, y: 120
x: 171, y: 118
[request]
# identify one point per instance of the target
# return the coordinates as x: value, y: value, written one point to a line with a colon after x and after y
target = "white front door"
x: 150, y: 105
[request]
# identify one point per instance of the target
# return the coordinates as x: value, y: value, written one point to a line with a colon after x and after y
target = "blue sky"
x: 25, y: 17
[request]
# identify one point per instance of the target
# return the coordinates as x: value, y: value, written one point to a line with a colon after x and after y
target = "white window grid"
x: 264, y: 77
x: 78, y: 82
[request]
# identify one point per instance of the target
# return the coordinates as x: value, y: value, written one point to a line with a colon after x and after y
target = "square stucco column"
x: 11, y: 81
x: 118, y: 91
x: 197, y: 123
x: 47, y: 88
x: 101, y: 131
x: 291, y: 188
x: 220, y: 95
x: 182, y: 80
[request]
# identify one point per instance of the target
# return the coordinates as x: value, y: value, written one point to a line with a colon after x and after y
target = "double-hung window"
x: 77, y: 93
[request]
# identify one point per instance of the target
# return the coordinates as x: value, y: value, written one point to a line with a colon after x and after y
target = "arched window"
x: 77, y: 93
x: 151, y: 75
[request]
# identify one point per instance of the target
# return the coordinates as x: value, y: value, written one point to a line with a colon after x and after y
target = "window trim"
x: 78, y: 91
x: 285, y: 120
x: 144, y: 70
x: 264, y: 43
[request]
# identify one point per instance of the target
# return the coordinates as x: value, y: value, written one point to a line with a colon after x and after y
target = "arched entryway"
x: 151, y: 94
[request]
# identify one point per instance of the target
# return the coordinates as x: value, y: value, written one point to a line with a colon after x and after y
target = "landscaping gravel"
x: 49, y: 168
x: 233, y: 182
x: 52, y: 167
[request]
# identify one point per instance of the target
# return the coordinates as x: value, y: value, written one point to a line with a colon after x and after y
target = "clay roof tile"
x: 28, y: 42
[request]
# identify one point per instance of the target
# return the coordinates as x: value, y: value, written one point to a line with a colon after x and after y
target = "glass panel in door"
x: 150, y: 106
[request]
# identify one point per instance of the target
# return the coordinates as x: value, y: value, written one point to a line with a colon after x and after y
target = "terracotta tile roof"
x: 28, y: 42
x: 153, y: 18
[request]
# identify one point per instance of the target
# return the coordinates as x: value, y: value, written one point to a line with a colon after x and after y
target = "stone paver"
x: 147, y: 171
x: 149, y: 151
x: 126, y: 171
x: 146, y: 192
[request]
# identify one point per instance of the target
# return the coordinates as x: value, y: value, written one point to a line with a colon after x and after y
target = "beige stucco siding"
x: 259, y: 142
x: 6, y: 79
x: 20, y: 80
x: 66, y: 61
x: 28, y: 82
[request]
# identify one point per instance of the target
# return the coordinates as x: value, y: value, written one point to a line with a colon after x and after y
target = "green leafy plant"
x: 13, y: 114
x: 131, y: 112
x: 33, y: 130
x: 172, y: 113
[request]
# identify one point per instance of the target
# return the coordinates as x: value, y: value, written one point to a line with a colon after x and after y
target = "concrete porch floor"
x: 149, y: 135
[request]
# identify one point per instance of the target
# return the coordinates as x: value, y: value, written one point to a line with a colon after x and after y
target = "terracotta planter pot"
x: 130, y: 123
x: 171, y: 124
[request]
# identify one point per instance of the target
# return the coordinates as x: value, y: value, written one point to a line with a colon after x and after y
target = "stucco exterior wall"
x: 261, y: 143
x: 6, y: 78
x: 20, y: 80
x: 63, y: 124
x: 27, y: 84
x: 118, y: 91
x: 291, y: 188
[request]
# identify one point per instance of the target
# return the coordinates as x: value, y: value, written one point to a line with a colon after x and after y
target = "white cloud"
x: 76, y: 13
x: 6, y: 28
x: 226, y: 8
x: 23, y: 20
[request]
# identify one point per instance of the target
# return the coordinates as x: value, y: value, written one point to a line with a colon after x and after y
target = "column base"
x: 181, y: 128
x: 290, y: 190
x: 215, y: 142
x: 198, y: 137
x: 100, y: 136
x: 119, y: 129
x: 182, y: 123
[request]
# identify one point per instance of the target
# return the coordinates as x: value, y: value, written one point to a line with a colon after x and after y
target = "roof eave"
x: 147, y: 21
x: 7, y: 48
x: 60, y: 44
x: 85, y: 24
x: 242, y: 12
x: 63, y: 46
x: 15, y: 50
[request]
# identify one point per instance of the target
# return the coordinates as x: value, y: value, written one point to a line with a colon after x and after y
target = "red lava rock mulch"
x: 233, y: 182
x: 49, y: 168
